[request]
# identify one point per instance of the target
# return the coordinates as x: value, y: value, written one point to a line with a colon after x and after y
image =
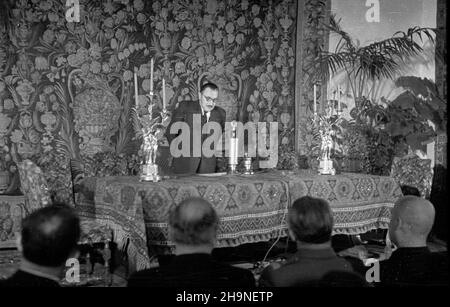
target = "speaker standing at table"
x: 206, y: 109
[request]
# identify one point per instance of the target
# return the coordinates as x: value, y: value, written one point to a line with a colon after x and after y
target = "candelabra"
x: 150, y: 127
x: 326, y: 133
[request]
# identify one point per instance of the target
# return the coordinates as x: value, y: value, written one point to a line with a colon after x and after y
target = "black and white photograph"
x: 223, y: 149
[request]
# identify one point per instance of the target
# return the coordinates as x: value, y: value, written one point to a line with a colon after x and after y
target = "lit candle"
x: 151, y: 76
x: 136, y: 99
x: 315, y: 100
x: 164, y: 93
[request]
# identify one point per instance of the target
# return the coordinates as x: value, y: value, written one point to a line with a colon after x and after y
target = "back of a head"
x: 416, y: 213
x: 50, y: 234
x: 311, y: 220
x: 193, y: 222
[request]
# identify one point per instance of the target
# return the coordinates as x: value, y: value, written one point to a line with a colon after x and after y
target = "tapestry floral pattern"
x: 66, y: 88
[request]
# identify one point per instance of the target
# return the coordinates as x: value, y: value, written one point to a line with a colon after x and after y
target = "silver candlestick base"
x: 326, y: 167
x: 248, y: 166
x: 232, y: 168
x: 149, y: 172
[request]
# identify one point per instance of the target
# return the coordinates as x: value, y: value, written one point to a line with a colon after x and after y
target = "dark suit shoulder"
x: 188, y: 105
x: 143, y: 278
x: 221, y: 112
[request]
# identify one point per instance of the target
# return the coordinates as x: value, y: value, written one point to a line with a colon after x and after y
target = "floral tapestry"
x: 66, y: 88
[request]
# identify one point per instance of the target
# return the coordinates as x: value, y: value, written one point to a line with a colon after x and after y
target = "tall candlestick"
x: 164, y: 93
x: 136, y: 93
x: 151, y: 76
x: 315, y: 100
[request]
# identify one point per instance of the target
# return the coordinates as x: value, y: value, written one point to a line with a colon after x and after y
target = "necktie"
x: 208, y: 114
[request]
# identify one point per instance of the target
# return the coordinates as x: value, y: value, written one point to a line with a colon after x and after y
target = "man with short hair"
x: 205, y: 110
x: 48, y: 238
x: 193, y: 228
x: 412, y: 263
x: 310, y: 224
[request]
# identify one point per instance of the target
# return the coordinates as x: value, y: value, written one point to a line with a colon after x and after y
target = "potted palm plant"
x: 363, y: 68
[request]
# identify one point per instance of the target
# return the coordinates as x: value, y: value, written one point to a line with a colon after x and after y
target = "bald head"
x: 193, y: 222
x: 411, y: 221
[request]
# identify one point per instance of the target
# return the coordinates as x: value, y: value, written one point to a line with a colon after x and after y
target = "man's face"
x: 208, y: 99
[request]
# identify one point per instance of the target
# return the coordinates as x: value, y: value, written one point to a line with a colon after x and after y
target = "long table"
x: 252, y: 208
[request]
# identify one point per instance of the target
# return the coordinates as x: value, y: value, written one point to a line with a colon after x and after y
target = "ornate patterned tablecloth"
x: 251, y: 208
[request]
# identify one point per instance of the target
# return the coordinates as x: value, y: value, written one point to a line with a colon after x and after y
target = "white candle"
x: 233, y: 150
x: 315, y: 100
x: 233, y: 145
x: 164, y: 93
x: 136, y: 99
x: 151, y: 76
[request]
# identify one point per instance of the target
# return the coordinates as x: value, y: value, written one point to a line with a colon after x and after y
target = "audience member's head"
x: 193, y: 225
x: 411, y: 221
x: 50, y: 235
x: 409, y: 190
x: 310, y: 221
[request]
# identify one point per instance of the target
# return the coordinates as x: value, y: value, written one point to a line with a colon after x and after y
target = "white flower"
x: 257, y: 22
x: 8, y: 104
x: 16, y: 136
x: 141, y: 19
x: 261, y: 33
x: 138, y: 5
x: 255, y: 9
x: 188, y: 25
x: 241, y: 21
x: 244, y: 5
x: 159, y: 26
x: 41, y: 63
x: 164, y: 13
x: 127, y: 75
x: 211, y: 6
x: 207, y: 21
x: 186, y: 43
x: 229, y: 28
x: 221, y: 22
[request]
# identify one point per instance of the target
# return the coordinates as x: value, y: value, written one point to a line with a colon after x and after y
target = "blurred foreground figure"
x: 310, y: 224
x: 49, y: 237
x: 413, y: 263
x: 193, y: 228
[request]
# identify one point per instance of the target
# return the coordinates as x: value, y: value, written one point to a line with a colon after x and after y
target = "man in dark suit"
x: 193, y: 228
x: 195, y: 114
x: 413, y: 264
x: 49, y: 237
x: 310, y: 224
